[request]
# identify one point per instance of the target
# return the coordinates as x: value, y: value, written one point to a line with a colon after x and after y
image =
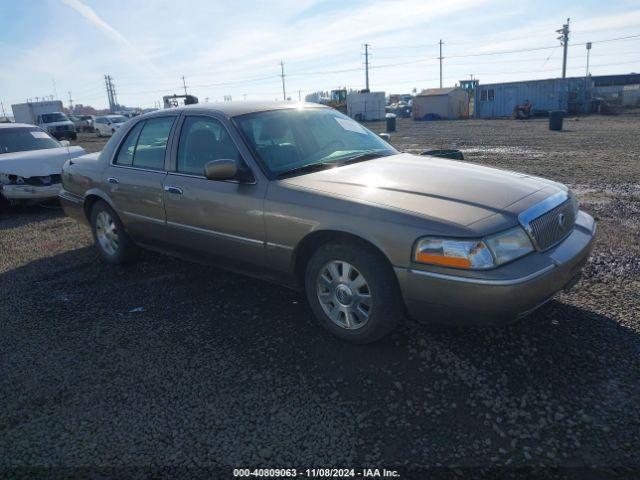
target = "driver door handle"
x: 173, y: 189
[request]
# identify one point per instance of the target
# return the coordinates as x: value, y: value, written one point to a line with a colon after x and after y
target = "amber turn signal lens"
x: 455, y: 262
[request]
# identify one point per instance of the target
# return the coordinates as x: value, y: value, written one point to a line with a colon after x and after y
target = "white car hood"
x: 37, y: 163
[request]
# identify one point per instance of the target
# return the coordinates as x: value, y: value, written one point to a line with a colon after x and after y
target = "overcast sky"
x: 235, y: 47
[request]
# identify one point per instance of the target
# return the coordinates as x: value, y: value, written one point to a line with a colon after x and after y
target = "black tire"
x: 4, y: 204
x: 127, y: 251
x: 386, y: 310
x: 98, y: 134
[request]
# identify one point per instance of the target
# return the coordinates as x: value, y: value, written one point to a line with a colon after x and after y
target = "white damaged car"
x: 31, y: 163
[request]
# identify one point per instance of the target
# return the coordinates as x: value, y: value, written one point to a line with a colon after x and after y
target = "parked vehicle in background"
x: 85, y: 123
x: 303, y: 195
x: 31, y: 163
x: 48, y: 115
x: 107, y: 125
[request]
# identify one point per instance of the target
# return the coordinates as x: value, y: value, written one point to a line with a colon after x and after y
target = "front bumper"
x: 65, y: 135
x: 491, y: 297
x: 30, y: 192
x: 73, y: 205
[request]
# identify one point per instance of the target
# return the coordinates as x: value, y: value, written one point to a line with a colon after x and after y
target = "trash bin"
x: 391, y: 122
x: 555, y: 119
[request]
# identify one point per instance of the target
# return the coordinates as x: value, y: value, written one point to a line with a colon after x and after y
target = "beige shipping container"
x: 452, y: 103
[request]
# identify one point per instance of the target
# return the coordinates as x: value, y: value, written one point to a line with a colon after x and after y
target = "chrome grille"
x: 553, y: 226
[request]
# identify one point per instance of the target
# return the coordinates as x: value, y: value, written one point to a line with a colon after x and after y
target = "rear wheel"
x: 353, y: 292
x: 109, y: 235
x: 98, y: 134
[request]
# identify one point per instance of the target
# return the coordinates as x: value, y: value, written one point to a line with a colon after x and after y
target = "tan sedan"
x: 302, y: 195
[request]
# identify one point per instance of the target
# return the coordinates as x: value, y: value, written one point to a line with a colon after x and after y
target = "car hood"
x: 440, y: 189
x: 37, y: 163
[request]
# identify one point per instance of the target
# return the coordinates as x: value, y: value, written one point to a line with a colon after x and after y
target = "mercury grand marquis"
x: 302, y: 195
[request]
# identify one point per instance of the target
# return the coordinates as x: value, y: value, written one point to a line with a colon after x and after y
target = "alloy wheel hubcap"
x: 344, y: 295
x: 106, y: 233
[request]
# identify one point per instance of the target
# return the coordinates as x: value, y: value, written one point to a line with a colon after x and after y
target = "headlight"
x: 509, y: 245
x: 473, y: 254
x: 469, y: 254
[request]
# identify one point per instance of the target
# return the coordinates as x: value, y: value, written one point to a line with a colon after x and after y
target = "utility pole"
x: 184, y: 85
x: 2, y: 105
x: 588, y: 52
x: 564, y: 41
x: 366, y: 65
x: 70, y: 102
x: 108, y: 87
x: 111, y: 93
x: 440, y: 58
x: 284, y: 92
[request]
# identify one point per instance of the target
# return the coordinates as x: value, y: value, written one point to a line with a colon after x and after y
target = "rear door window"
x: 128, y: 147
x: 152, y: 143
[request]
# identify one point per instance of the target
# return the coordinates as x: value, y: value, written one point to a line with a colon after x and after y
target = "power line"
x: 113, y: 100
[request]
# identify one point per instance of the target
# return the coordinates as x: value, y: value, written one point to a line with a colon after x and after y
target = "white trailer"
x: 366, y: 106
x: 49, y: 115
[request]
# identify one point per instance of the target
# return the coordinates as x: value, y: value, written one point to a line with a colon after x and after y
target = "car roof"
x: 233, y: 109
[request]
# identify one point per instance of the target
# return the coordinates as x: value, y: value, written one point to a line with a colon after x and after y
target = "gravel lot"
x: 166, y: 363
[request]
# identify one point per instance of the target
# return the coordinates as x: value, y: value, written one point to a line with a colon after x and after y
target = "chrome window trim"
x: 202, y: 177
x: 482, y: 281
x: 215, y: 233
x: 115, y: 165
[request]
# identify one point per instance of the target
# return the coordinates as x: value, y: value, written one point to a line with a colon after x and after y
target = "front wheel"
x: 353, y: 292
x: 98, y: 134
x: 109, y: 235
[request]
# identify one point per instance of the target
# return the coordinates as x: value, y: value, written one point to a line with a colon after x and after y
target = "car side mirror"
x: 223, y: 169
x: 385, y: 136
x: 65, y: 143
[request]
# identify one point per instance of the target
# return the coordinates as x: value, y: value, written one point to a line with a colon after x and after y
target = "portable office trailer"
x: 452, y: 103
x: 573, y: 95
x: 366, y: 106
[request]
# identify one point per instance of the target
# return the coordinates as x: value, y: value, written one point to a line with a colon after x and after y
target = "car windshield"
x: 24, y: 139
x: 54, y: 117
x: 118, y: 119
x: 295, y: 141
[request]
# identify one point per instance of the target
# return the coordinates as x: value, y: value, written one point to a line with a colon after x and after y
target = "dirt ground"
x: 165, y: 363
